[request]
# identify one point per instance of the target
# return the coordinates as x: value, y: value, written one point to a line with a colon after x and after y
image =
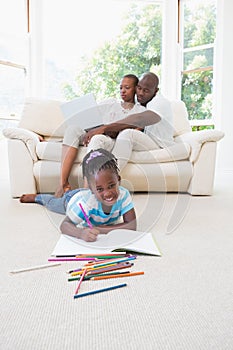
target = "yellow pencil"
x: 117, y: 276
x: 88, y: 269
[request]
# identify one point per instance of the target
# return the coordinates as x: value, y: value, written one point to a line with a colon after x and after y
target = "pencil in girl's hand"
x: 85, y: 215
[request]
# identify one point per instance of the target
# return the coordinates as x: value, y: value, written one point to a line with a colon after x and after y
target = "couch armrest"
x: 30, y: 138
x: 197, y: 138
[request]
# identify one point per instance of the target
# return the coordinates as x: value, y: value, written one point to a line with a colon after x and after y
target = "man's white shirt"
x: 161, y: 132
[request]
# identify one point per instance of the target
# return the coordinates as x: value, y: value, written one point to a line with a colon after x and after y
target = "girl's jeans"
x: 58, y: 205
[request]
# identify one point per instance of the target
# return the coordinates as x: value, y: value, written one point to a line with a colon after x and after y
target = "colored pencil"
x: 123, y: 265
x: 80, y: 281
x: 99, y: 290
x: 116, y: 276
x: 87, y: 278
x: 70, y: 259
x: 111, y: 262
x: 85, y: 215
x: 34, y: 268
x: 103, y: 256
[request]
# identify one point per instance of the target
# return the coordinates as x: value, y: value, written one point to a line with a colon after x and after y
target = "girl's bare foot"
x: 27, y: 198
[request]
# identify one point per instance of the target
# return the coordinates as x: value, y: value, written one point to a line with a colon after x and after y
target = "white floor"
x: 184, y: 300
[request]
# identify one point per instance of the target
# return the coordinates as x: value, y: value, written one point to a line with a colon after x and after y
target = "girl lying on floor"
x: 106, y: 204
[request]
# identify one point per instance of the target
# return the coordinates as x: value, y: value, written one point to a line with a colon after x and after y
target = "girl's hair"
x: 96, y: 160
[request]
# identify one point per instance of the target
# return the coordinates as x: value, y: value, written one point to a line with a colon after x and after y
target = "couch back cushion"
x: 180, y: 118
x: 43, y: 117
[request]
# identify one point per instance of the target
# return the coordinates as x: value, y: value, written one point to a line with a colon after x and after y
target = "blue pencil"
x: 99, y: 290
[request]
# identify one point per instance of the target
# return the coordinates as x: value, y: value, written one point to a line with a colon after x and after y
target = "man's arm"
x: 133, y: 121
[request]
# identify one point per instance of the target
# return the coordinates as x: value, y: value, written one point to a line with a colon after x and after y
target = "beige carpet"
x: 183, y: 301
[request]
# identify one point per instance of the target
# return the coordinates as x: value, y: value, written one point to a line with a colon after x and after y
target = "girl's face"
x: 127, y: 90
x: 105, y: 186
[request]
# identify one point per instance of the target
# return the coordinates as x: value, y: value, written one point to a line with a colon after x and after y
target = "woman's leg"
x: 72, y: 138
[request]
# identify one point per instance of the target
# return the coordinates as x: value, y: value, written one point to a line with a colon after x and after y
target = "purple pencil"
x: 71, y: 259
x: 85, y: 215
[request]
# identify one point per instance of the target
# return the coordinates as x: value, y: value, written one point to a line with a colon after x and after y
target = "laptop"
x: 83, y: 112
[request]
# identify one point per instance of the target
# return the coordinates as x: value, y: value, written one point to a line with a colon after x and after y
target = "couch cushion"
x: 197, y: 138
x: 43, y: 117
x: 179, y: 151
x: 180, y: 118
x: 52, y: 151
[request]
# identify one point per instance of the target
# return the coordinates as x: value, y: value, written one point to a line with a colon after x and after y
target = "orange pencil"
x: 116, y: 276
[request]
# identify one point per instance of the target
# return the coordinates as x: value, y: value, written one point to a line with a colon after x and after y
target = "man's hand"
x: 91, y: 133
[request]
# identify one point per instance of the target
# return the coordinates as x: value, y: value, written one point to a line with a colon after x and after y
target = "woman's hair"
x: 96, y: 160
x: 133, y: 77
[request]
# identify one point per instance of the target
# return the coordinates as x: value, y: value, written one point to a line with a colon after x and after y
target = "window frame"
x: 196, y: 124
x: 14, y: 64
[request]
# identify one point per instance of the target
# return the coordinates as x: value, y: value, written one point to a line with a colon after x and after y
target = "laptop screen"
x: 82, y: 112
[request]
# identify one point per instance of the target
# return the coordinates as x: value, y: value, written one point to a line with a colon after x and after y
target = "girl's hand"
x: 89, y: 234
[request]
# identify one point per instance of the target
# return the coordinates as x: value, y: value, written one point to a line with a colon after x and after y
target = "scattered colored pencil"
x: 71, y: 259
x: 34, y: 268
x: 117, y: 276
x: 80, y: 281
x: 111, y: 262
x: 99, y: 290
x: 87, y: 278
x: 102, y: 269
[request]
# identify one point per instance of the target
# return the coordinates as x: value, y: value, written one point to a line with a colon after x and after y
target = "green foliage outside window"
x: 197, y: 94
x: 199, y: 30
x: 138, y: 49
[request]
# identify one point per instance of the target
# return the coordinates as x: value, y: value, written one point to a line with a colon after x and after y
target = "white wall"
x: 36, y: 49
x: 170, y: 51
x: 223, y: 86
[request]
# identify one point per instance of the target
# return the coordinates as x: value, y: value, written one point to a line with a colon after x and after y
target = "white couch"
x: 34, y: 166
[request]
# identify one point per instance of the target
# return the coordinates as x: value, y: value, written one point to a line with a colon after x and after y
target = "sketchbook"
x: 83, y: 112
x: 115, y: 240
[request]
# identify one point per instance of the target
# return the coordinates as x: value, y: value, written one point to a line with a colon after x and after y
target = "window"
x: 197, y: 36
x: 89, y: 45
x: 13, y: 56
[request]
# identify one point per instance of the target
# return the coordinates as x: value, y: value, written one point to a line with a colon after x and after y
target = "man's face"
x: 145, y: 91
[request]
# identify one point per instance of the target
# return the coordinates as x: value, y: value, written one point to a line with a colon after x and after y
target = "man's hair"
x: 133, y: 77
x: 96, y: 160
x: 154, y: 79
